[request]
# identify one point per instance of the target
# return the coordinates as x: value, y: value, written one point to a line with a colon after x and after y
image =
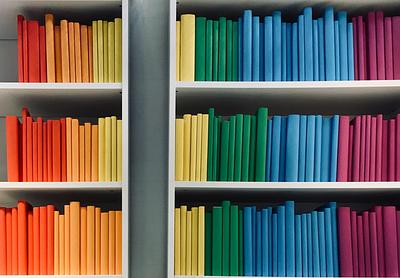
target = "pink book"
x: 343, y: 152
x: 378, y: 164
x: 396, y: 46
x: 361, y: 253
x: 367, y: 243
x: 355, y: 44
x: 398, y: 147
x: 371, y: 29
x: 372, y: 161
x: 398, y: 234
x: 354, y: 242
x: 385, y: 138
x: 388, y: 49
x: 367, y: 148
x: 350, y: 169
x: 390, y: 241
x: 379, y: 232
x: 380, y: 45
x: 392, y: 150
x: 362, y: 146
x: 344, y: 238
x: 365, y: 51
x: 357, y: 148
x: 361, y: 56
x: 374, y: 245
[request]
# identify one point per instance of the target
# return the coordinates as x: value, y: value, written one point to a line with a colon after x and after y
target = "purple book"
x: 354, y: 242
x: 379, y: 232
x: 374, y: 245
x: 398, y: 147
x: 392, y: 150
x: 379, y: 141
x: 361, y: 253
x: 363, y: 142
x: 357, y: 148
x: 343, y: 152
x: 388, y: 49
x: 372, y: 161
x: 367, y: 243
x: 367, y: 148
x: 380, y: 45
x: 385, y: 138
x: 344, y: 238
x: 350, y: 169
x: 355, y: 47
x: 396, y: 46
x: 390, y: 241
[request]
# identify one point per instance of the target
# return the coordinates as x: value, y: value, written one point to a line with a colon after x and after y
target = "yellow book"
x: 105, y: 50
x: 97, y: 240
x: 204, y: 148
x: 104, y: 244
x: 193, y: 148
x: 119, y: 150
x: 101, y: 153
x: 199, y: 145
x: 179, y: 149
x: 195, y: 239
x: 118, y: 49
x: 201, y: 241
x: 75, y: 150
x: 88, y: 151
x: 107, y: 149
x: 111, y: 52
x: 68, y: 124
x: 187, y: 47
x: 71, y: 40
x: 62, y: 244
x: 67, y: 240
x: 95, y: 52
x: 100, y: 50
x: 118, y: 242
x: 56, y: 243
x: 177, y: 242
x: 189, y: 243
x: 81, y: 153
x: 183, y: 239
x: 113, y: 148
x: 75, y: 210
x: 83, y: 243
x: 111, y: 242
x: 187, y: 119
x: 95, y: 153
x: 178, y: 50
x: 90, y: 234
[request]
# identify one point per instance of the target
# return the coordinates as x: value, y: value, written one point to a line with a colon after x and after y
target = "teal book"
x: 226, y: 208
x: 246, y: 147
x: 234, y: 241
x: 215, y: 50
x: 209, y: 51
x: 252, y: 158
x: 210, y: 156
x: 235, y: 55
x: 238, y: 147
x: 229, y: 49
x: 241, y: 242
x: 208, y: 244
x: 222, y: 50
x: 261, y: 143
x: 231, y: 155
x: 223, y: 170
x: 216, y: 263
x: 200, y: 49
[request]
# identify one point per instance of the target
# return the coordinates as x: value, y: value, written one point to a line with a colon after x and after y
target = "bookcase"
x: 86, y: 101
x: 282, y: 98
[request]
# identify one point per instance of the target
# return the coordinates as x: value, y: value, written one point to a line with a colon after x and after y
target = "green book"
x: 200, y: 49
x: 261, y: 143
x: 215, y: 149
x: 209, y: 50
x: 215, y: 50
x: 229, y: 53
x: 240, y: 242
x: 223, y: 170
x: 238, y: 148
x: 210, y: 156
x: 231, y: 163
x: 219, y: 121
x: 208, y: 244
x: 246, y: 147
x: 226, y: 209
x: 235, y: 54
x: 252, y: 159
x: 216, y: 264
x: 234, y: 241
x: 222, y: 50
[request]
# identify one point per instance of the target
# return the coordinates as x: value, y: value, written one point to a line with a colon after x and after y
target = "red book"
x: 50, y: 240
x: 379, y: 141
x: 42, y: 53
x: 3, y: 242
x: 43, y: 240
x: 36, y: 240
x: 357, y: 148
x: 361, y: 49
x: 380, y: 45
x: 388, y: 49
x: 35, y: 151
x: 392, y: 150
x: 30, y: 242
x: 29, y: 149
x: 9, y: 240
x: 56, y: 150
x: 354, y: 242
x: 63, y: 150
x: 344, y: 242
x: 390, y: 241
x: 373, y: 151
x: 396, y: 46
x: 361, y: 252
x: 20, y: 20
x: 33, y: 51
x: 49, y: 151
x: 45, y: 152
x: 350, y: 169
x: 25, y: 49
x: 374, y: 245
x: 362, y: 146
x: 343, y: 152
x: 22, y: 210
x: 12, y: 139
x: 367, y: 243
x: 371, y: 28
x: 398, y: 148
x: 14, y: 241
x: 367, y: 147
x: 385, y: 139
x: 379, y: 232
x: 24, y: 145
x: 355, y: 48
x: 40, y: 148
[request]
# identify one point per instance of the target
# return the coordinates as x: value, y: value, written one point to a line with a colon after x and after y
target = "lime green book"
x: 231, y: 156
x: 209, y: 50
x: 100, y: 50
x: 208, y: 244
x: 226, y: 211
x: 222, y: 50
x: 229, y: 48
x: 234, y: 241
x: 261, y: 143
x: 235, y: 53
x: 216, y: 264
x: 111, y: 52
x: 223, y: 170
x: 238, y: 148
x: 252, y: 159
x: 246, y: 147
x: 240, y: 243
x: 215, y: 50
x: 105, y: 50
x: 200, y: 49
x: 118, y: 49
x: 210, y: 156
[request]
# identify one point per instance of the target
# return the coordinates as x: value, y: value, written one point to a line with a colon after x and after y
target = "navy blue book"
x: 298, y: 247
x: 315, y: 50
x: 290, y: 238
x: 261, y: 51
x: 337, y: 51
x: 302, y: 148
x: 326, y: 148
x: 247, y: 45
x: 277, y: 45
x: 350, y: 48
x: 284, y: 61
x: 308, y: 44
x: 276, y: 145
x: 295, y: 52
x: 292, y: 148
x: 329, y: 242
x: 258, y: 245
x: 256, y: 49
x: 268, y: 49
x: 247, y: 242
x: 322, y: 242
x: 334, y: 147
x: 321, y: 49
x: 240, y: 48
x: 289, y: 51
x: 310, y: 148
x: 315, y: 246
x: 254, y: 237
x: 329, y: 35
x: 282, y: 154
x: 332, y: 206
x: 270, y: 242
x: 318, y: 148
x: 302, y: 61
x: 274, y: 244
x: 281, y: 241
x: 343, y: 54
x: 309, y: 245
x: 264, y: 242
x: 269, y: 152
x: 304, y: 245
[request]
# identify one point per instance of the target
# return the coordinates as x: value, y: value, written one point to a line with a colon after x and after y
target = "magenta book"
x: 343, y: 152
x: 379, y: 141
x: 396, y: 46
x: 373, y: 150
x: 371, y: 29
x: 380, y: 45
x: 361, y: 252
x: 361, y: 49
x: 388, y: 49
x: 355, y: 48
x: 354, y: 242
x: 379, y: 232
x: 367, y: 148
x: 385, y: 139
x: 367, y: 243
x: 345, y: 251
x: 363, y: 142
x: 357, y: 148
x: 390, y: 241
x: 392, y: 150
x: 350, y: 168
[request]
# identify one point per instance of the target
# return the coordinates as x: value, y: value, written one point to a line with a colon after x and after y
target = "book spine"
x: 240, y: 49
x: 337, y: 51
x: 187, y: 48
x: 350, y: 49
x: 235, y: 74
x: 290, y: 238
x: 241, y: 139
x: 226, y: 207
x: 209, y: 51
x: 283, y: 52
x: 357, y: 149
x: 318, y: 148
x: 334, y: 148
x: 396, y: 46
x: 329, y: 44
x: 308, y: 44
x: 289, y: 52
x: 372, y: 65
x: 343, y: 48
x: 282, y: 149
x: 392, y: 150
x: 292, y: 148
x: 247, y: 242
x: 277, y: 45
x: 20, y: 46
x: 374, y: 244
x: 367, y: 243
x: 281, y: 266
x: 255, y: 71
x: 354, y: 242
x: 231, y: 155
x: 200, y: 49
x: 388, y: 49
x: 275, y: 153
x: 372, y: 166
x: 344, y: 237
x: 355, y: 48
x: 261, y: 144
x: 316, y: 61
x: 269, y: 151
x: 234, y: 241
x: 321, y: 49
x: 343, y: 151
x: 295, y: 51
x: 322, y: 242
x: 315, y: 244
x: 390, y: 240
x: 380, y: 45
x: 310, y: 245
x: 222, y: 49
x: 304, y: 247
x: 361, y: 49
x: 33, y: 51
x: 268, y: 48
x: 325, y: 151
x: 247, y: 45
x: 397, y: 144
x: 302, y: 75
x: 328, y: 242
x: 302, y: 148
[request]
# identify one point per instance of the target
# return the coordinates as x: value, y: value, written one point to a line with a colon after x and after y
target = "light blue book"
x: 315, y: 50
x: 265, y: 242
x: 308, y: 44
x: 292, y: 148
x: 322, y: 242
x: 240, y: 48
x: 258, y: 245
x: 261, y: 51
x: 282, y: 154
x: 295, y: 52
x: 288, y: 51
x: 247, y: 45
x: 309, y: 245
x: 302, y: 148
x: 284, y: 48
x: 318, y: 148
x: 290, y: 238
x: 270, y: 242
x: 329, y: 242
x: 298, y: 248
x: 276, y: 146
x: 304, y: 245
x: 268, y: 49
x: 256, y: 49
x: 315, y: 246
x: 247, y: 242
x: 343, y: 54
x: 334, y: 147
x: 254, y: 237
x: 310, y: 148
x: 274, y: 244
x: 332, y: 206
x: 321, y: 49
x: 337, y: 51
x: 350, y: 47
x: 269, y: 151
x: 281, y: 241
x: 326, y: 148
x: 329, y: 44
x: 302, y: 61
x: 277, y: 45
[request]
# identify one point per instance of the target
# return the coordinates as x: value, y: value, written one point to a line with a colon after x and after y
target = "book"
x: 247, y: 45
x: 292, y: 151
x: 343, y: 46
x: 104, y: 251
x: 42, y: 54
x: 217, y: 236
x: 388, y: 49
x: 187, y: 47
x: 302, y: 148
x: 261, y: 144
x: 277, y: 44
x: 390, y: 240
x: 308, y: 45
x: 343, y: 148
x: 20, y: 46
x: 200, y: 49
x: 329, y: 44
x: 85, y: 38
x: 255, y: 63
x: 33, y: 51
x: 65, y: 53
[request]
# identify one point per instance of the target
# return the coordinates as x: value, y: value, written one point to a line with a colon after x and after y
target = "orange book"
x: 78, y: 54
x: 90, y: 237
x: 29, y: 149
x: 43, y: 240
x: 111, y: 242
x: 71, y: 41
x: 67, y: 262
x: 42, y: 54
x: 20, y: 48
x: 90, y: 49
x: 35, y: 151
x: 50, y: 56
x: 95, y: 153
x: 50, y: 240
x: 85, y: 53
x: 75, y: 211
x: 88, y: 139
x: 63, y: 150
x: 57, y: 48
x: 3, y: 242
x: 40, y: 149
x: 9, y: 240
x: 62, y: 244
x: 14, y: 241
x: 104, y: 243
x: 75, y: 149
x: 25, y: 48
x: 68, y: 123
x: 12, y: 139
x: 97, y: 247
x: 24, y: 149
x: 30, y: 242
x: 83, y: 243
x: 81, y: 153
x: 118, y: 242
x: 64, y: 51
x: 44, y: 136
x: 49, y: 150
x: 36, y: 240
x: 56, y: 243
x: 22, y: 214
x: 56, y: 150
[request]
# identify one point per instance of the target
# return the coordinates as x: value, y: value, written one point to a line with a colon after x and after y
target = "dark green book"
x: 231, y: 163
x: 200, y: 49
x: 215, y: 149
x: 222, y: 50
x: 246, y: 147
x: 219, y: 121
x: 229, y: 53
x: 261, y: 143
x: 226, y: 210
x: 234, y: 242
x: 252, y: 159
x: 238, y: 147
x: 209, y: 50
x: 208, y: 244
x: 215, y: 50
x: 210, y: 156
x: 223, y: 171
x: 240, y: 242
x: 216, y: 264
x: 235, y: 54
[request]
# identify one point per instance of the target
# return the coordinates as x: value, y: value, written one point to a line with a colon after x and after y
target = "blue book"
x: 258, y: 245
x: 282, y: 154
x: 289, y: 51
x: 321, y: 49
x: 326, y: 148
x: 254, y: 237
x: 292, y: 148
x: 304, y: 245
x: 318, y: 147
x: 290, y: 239
x: 322, y: 241
x: 310, y: 148
x: 343, y: 54
x: 269, y: 151
x: 268, y: 49
x: 302, y: 148
x: 337, y: 51
x: 350, y: 47
x: 334, y: 147
x: 281, y: 241
x: 315, y: 50
x: 298, y: 248
x: 308, y: 44
x: 240, y: 48
x: 256, y: 49
x: 328, y: 240
x: 276, y: 145
x: 329, y: 34
x: 309, y: 245
x: 265, y: 242
x: 270, y: 242
x: 315, y: 246
x: 302, y: 73
x: 247, y: 242
x: 332, y: 206
x: 295, y: 52
x: 274, y: 244
x: 284, y: 61
x: 277, y: 45
x: 247, y: 45
x: 261, y: 51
